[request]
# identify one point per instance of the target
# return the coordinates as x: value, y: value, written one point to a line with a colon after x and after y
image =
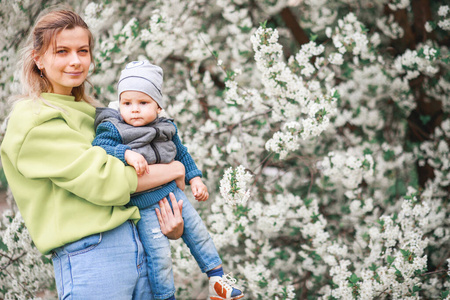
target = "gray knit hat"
x: 142, y: 76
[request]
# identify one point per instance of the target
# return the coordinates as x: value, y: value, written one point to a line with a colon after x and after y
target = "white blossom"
x: 333, y: 206
x: 443, y: 10
x: 234, y: 186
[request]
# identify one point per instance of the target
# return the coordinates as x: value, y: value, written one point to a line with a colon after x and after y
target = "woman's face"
x: 67, y: 65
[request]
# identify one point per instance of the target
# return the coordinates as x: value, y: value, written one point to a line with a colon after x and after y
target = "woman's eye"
x: 60, y: 51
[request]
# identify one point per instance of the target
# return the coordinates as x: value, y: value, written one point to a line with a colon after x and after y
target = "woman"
x: 72, y: 195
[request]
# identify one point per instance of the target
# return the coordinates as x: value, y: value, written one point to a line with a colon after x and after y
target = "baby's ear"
x: 159, y: 109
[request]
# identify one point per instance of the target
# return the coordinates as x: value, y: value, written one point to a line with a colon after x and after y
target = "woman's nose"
x: 74, y: 59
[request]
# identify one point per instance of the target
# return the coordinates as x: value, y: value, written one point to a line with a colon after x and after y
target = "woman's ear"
x: 37, y: 60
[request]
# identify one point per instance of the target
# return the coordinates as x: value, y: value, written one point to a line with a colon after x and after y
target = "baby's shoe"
x: 223, y: 288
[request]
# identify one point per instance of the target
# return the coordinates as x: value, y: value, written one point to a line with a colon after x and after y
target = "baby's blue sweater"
x: 108, y: 137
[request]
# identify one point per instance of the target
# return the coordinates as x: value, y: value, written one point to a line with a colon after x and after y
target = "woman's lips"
x: 74, y: 73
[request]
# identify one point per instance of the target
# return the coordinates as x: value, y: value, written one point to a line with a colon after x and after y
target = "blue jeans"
x: 108, y: 265
x: 157, y: 246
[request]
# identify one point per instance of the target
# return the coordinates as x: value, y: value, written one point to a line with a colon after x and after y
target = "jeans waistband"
x: 88, y: 242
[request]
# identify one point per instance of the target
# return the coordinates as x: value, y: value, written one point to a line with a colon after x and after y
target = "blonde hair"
x: 48, y: 25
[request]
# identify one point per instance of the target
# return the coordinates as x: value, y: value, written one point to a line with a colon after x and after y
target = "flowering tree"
x: 322, y: 128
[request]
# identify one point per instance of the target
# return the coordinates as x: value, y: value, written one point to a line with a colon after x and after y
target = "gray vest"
x: 153, y: 141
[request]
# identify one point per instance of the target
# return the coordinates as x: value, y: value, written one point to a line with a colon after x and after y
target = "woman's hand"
x: 171, y: 222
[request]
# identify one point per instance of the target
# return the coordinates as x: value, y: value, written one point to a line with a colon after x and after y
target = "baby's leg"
x: 202, y: 247
x: 196, y: 236
x: 158, y: 252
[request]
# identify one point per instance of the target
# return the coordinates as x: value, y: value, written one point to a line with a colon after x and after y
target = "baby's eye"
x: 144, y: 103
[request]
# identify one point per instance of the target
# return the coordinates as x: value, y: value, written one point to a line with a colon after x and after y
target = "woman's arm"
x: 54, y: 152
x: 160, y: 174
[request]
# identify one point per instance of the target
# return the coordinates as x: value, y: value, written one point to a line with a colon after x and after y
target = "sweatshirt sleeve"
x: 185, y: 158
x: 66, y: 157
x: 108, y: 137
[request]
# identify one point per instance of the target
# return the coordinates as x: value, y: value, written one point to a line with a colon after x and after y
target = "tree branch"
x: 11, y: 260
x: 293, y: 25
x: 408, y: 39
x: 422, y: 13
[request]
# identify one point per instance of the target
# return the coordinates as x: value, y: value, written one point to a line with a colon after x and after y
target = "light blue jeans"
x: 157, y: 246
x: 109, y: 265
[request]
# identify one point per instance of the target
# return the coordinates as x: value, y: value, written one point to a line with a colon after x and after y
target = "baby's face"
x: 137, y: 108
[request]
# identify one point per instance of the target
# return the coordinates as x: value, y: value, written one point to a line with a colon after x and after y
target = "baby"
x: 138, y: 136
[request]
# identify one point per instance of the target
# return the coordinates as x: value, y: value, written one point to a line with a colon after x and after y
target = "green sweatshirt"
x: 65, y: 188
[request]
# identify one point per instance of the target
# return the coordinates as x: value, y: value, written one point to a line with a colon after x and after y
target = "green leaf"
x: 420, y: 53
x: 46, y: 259
x: 366, y: 164
x: 241, y: 210
x: 239, y: 228
x: 390, y: 259
x: 373, y: 267
x: 307, y: 201
x: 405, y: 253
x: 367, y: 151
x: 3, y: 246
x: 354, y: 279
x: 336, y: 95
x: 245, y: 29
x: 425, y: 119
x: 296, y: 231
x: 320, y: 114
x: 432, y: 24
x: 110, y: 89
x: 230, y: 75
x: 377, y: 277
x: 388, y: 155
x: 263, y: 283
x: 282, y: 255
x: 373, y: 88
x: 3, y: 180
x: 316, y: 257
x: 115, y: 49
x: 345, y: 209
x: 415, y: 289
x: 364, y: 29
x: 394, y: 217
x: 244, y: 53
x: 315, y: 217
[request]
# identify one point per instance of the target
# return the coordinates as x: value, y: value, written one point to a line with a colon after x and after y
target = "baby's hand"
x: 199, y: 189
x: 137, y: 161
